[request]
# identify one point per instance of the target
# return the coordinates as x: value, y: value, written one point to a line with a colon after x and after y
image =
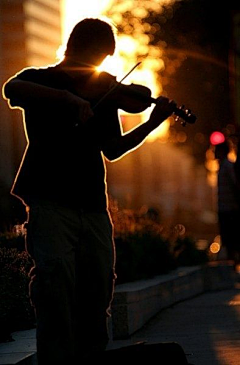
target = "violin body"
x: 133, y: 98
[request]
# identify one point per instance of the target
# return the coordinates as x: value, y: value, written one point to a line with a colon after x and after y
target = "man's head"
x: 91, y: 38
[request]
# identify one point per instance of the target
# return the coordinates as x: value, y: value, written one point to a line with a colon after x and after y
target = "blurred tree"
x: 190, y: 41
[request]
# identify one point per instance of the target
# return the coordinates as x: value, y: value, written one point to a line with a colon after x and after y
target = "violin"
x: 134, y: 98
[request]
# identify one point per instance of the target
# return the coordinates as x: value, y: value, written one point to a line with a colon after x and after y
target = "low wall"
x: 137, y: 302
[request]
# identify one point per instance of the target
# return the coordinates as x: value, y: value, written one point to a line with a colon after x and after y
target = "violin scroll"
x: 185, y: 115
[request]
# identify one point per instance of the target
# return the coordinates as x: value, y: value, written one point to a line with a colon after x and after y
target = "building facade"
x: 30, y: 35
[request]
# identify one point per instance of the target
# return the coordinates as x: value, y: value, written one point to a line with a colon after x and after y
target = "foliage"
x: 143, y: 250
x: 12, y: 240
x: 142, y: 255
x: 186, y: 254
x: 15, y: 309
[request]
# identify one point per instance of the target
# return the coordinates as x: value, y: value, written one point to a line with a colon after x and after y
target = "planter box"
x: 137, y: 302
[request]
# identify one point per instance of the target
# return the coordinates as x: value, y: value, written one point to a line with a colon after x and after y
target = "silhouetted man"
x: 62, y: 182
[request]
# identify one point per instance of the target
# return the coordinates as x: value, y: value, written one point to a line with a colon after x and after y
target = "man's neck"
x: 73, y: 63
x: 76, y: 68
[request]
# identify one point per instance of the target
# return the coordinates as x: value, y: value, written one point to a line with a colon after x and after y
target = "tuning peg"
x: 184, y: 114
x: 176, y: 119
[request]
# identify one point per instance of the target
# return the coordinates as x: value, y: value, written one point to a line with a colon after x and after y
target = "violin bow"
x: 115, y: 86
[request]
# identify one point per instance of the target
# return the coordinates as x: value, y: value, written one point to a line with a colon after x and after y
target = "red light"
x: 217, y: 138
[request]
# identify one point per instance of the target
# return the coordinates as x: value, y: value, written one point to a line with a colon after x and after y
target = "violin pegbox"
x: 185, y: 115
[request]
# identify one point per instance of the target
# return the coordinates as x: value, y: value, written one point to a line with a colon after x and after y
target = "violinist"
x: 61, y: 181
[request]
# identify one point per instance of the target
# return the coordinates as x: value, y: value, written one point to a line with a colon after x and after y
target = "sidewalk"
x: 206, y: 325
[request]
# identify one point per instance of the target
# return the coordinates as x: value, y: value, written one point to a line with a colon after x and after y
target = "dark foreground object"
x: 166, y: 353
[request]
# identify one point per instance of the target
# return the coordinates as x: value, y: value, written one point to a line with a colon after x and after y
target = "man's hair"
x: 93, y: 34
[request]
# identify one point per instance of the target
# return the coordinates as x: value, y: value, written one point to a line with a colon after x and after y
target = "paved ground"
x: 207, y: 327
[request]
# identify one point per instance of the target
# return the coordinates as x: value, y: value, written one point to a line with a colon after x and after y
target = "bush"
x: 16, y: 313
x: 186, y: 253
x: 142, y: 251
x: 12, y: 240
x: 142, y: 255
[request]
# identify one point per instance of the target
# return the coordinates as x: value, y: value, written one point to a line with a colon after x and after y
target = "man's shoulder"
x: 37, y: 71
x: 51, y: 76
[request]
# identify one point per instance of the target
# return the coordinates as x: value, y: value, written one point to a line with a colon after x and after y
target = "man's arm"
x: 23, y: 93
x: 119, y: 146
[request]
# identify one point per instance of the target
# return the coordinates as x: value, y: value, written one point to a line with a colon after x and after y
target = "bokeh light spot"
x: 217, y: 138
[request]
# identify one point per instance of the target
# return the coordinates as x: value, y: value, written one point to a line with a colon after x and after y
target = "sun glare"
x: 73, y: 11
x: 131, y: 48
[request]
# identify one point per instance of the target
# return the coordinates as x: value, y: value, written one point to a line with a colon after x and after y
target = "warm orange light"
x: 132, y: 46
x: 237, y: 268
x: 217, y: 239
x: 214, y: 247
x: 232, y: 156
x: 73, y: 11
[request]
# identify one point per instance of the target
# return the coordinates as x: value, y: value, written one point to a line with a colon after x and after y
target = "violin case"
x: 166, y: 353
